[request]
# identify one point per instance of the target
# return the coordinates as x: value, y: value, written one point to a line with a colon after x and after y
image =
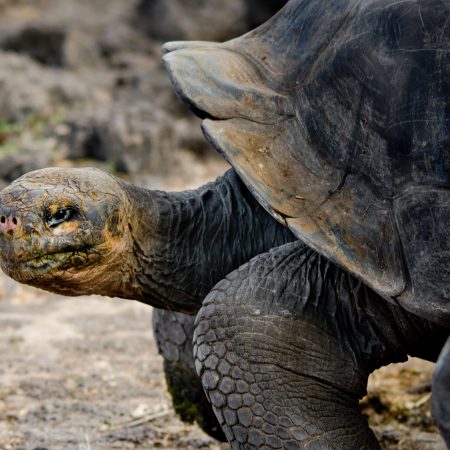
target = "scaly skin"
x: 285, y: 344
x: 173, y: 335
x: 84, y: 254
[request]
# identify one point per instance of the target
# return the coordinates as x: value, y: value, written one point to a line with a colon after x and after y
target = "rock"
x: 105, y: 79
x: 192, y: 19
x: 123, y: 38
x: 27, y: 88
x: 43, y: 43
x: 97, y: 139
x: 141, y: 129
x: 191, y: 137
x: 14, y: 165
x: 80, y: 49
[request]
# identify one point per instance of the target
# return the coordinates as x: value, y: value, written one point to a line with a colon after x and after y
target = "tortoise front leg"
x: 441, y: 393
x: 173, y: 335
x: 285, y: 344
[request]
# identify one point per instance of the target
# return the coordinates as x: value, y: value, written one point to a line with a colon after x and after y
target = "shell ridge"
x: 323, y: 52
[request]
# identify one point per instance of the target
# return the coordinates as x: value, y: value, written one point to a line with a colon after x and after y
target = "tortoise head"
x: 63, y: 230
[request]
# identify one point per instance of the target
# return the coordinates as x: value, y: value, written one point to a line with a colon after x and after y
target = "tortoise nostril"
x: 8, y: 223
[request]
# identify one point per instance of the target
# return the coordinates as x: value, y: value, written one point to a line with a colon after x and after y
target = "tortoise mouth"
x: 32, y: 267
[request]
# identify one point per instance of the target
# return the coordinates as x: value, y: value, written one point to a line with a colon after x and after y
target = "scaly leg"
x: 173, y: 335
x: 284, y: 346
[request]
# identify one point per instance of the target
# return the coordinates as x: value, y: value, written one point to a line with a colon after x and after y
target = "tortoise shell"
x: 336, y: 114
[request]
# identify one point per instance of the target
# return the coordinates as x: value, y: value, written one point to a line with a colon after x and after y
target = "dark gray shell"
x: 337, y: 115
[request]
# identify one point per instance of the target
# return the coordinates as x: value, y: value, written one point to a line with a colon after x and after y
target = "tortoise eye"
x: 62, y: 215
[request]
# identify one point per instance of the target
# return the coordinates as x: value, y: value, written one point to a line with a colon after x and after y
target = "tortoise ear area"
x: 114, y: 224
x: 221, y: 83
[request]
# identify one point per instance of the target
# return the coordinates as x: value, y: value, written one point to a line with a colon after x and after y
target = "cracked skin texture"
x: 81, y: 255
x: 173, y: 336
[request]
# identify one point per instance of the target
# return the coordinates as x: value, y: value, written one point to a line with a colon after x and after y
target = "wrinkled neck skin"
x: 183, y: 243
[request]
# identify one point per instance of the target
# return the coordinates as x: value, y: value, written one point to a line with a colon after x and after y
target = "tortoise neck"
x: 185, y: 242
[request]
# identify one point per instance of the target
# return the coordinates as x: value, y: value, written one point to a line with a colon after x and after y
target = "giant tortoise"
x: 322, y: 255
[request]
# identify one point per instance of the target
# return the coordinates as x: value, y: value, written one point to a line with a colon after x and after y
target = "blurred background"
x: 81, y: 84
